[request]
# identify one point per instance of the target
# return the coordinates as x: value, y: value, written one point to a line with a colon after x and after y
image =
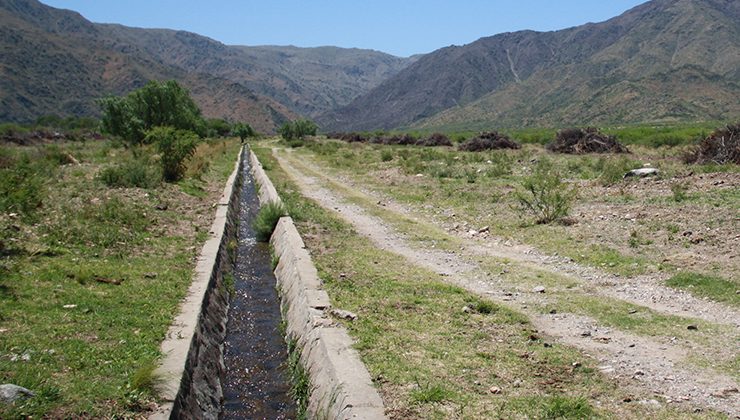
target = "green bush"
x: 298, y: 129
x: 266, y: 220
x: 174, y: 147
x: 386, y: 156
x: 545, y: 195
x: 22, y: 184
x: 135, y: 173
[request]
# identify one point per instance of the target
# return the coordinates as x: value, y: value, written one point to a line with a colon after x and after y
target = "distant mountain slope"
x: 665, y: 60
x: 55, y: 61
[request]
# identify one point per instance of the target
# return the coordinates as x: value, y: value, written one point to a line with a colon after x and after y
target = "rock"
x: 639, y: 373
x: 484, y: 229
x: 10, y: 393
x: 71, y: 306
x: 539, y: 289
x: 150, y: 275
x: 692, y: 328
x: 161, y: 206
x: 467, y: 309
x: 495, y: 390
x: 642, y: 172
x: 342, y: 314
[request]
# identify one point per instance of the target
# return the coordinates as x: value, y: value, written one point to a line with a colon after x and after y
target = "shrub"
x: 298, y: 129
x: 266, y: 220
x: 386, y: 156
x: 174, y: 147
x: 135, y: 173
x: 545, y: 195
x: 21, y: 185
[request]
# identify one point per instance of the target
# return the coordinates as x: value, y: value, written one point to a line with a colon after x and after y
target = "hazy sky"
x: 399, y: 27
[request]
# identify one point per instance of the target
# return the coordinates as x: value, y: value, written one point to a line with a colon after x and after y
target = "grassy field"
x: 430, y: 358
x: 92, y: 272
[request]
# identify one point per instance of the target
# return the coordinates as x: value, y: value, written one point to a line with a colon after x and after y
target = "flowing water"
x: 256, y: 381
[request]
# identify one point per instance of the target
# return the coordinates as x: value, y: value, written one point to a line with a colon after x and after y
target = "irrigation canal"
x: 256, y: 382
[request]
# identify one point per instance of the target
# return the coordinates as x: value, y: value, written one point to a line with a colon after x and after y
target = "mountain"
x: 54, y: 61
x: 665, y: 60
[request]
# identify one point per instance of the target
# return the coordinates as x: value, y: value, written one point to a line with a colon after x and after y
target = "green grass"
x: 712, y: 287
x: 93, y: 283
x: 266, y: 220
x: 429, y: 357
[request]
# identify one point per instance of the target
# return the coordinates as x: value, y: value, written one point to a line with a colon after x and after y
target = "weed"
x: 713, y: 287
x: 22, y: 185
x: 545, y: 195
x: 429, y: 394
x: 386, y: 156
x: 612, y: 170
x: 144, y: 378
x: 558, y: 407
x: 266, y: 220
x: 135, y: 173
x: 679, y: 191
x: 174, y: 147
x: 300, y: 382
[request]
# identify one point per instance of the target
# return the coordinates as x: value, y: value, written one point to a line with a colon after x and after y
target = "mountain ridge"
x: 530, y: 76
x: 54, y: 61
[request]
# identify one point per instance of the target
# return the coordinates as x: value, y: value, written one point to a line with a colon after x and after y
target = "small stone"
x: 553, y: 311
x: 467, y: 309
x: 539, y: 289
x: 586, y: 334
x: 576, y: 364
x: 692, y: 328
x: 342, y: 314
x: 484, y: 229
x: 70, y: 306
x: 10, y: 393
x: 150, y: 275
x: 495, y: 390
x: 547, y: 345
x: 639, y: 373
x: 162, y: 206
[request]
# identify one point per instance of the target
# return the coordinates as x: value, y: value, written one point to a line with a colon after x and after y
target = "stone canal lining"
x: 192, y: 365
x: 341, y: 387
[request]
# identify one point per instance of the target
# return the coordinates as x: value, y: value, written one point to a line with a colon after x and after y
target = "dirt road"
x: 661, y: 365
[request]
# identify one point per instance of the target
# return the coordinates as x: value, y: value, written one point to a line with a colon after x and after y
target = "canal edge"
x: 183, y: 335
x: 341, y: 387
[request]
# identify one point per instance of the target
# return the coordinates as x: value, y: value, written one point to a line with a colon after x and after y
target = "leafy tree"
x: 298, y: 129
x: 243, y: 130
x: 218, y: 127
x: 174, y: 147
x: 156, y: 104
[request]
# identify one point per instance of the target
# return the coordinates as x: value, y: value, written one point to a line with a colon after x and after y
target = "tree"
x: 243, y: 130
x: 156, y: 104
x: 298, y: 129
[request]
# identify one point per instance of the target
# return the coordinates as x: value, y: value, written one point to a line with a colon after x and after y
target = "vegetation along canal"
x: 256, y: 380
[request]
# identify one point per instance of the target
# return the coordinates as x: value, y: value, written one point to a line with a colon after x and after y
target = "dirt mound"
x: 435, y: 139
x: 721, y: 147
x: 579, y: 141
x: 489, y: 141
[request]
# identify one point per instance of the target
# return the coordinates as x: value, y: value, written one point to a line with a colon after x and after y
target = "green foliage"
x: 243, y: 131
x: 218, y: 127
x: 713, y: 287
x: 21, y: 184
x: 156, y: 104
x: 300, y: 382
x: 567, y: 408
x: 429, y: 394
x: 545, y: 195
x: 134, y: 173
x: 266, y: 220
x: 679, y: 191
x: 298, y: 129
x: 386, y: 155
x: 611, y: 170
x: 174, y: 147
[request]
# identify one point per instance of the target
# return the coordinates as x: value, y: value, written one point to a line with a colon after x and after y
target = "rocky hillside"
x: 665, y: 60
x: 56, y: 62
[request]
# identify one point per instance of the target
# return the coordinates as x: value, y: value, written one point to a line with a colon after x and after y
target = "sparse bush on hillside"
x: 545, y: 195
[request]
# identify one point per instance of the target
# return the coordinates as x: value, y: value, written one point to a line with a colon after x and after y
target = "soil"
x: 648, y: 365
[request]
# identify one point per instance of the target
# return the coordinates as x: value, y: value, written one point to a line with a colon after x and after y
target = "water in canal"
x: 256, y: 381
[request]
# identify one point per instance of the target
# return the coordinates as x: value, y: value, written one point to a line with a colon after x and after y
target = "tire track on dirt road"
x: 654, y: 365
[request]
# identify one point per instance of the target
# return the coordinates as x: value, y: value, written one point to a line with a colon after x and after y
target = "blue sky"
x: 399, y: 27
